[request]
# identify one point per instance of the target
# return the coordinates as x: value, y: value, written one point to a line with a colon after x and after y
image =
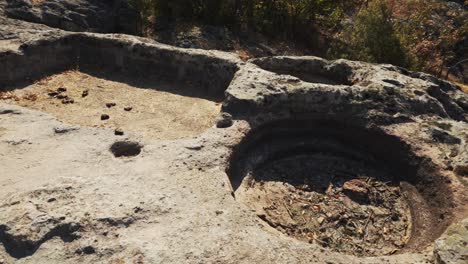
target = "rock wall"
x: 37, y: 59
x: 212, y: 70
x: 343, y: 87
x: 110, y: 16
x: 61, y: 51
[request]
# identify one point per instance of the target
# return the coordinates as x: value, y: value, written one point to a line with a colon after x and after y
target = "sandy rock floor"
x: 158, y: 110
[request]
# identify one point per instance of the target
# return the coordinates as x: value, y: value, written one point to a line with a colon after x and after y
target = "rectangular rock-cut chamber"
x: 307, y: 69
x: 146, y: 88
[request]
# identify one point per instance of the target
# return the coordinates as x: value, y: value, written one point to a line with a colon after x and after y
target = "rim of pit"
x: 428, y: 197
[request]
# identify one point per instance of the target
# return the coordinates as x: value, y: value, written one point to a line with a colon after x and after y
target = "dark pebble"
x: 119, y: 132
x: 68, y: 101
x: 224, y: 120
x: 88, y: 250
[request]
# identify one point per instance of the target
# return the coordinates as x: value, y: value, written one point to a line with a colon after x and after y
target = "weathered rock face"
x: 338, y: 87
x: 82, y: 194
x: 77, y: 15
x: 452, y: 247
x: 53, y: 51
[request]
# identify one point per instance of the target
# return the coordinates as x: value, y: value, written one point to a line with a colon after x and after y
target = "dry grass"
x: 36, y: 2
x: 159, y: 110
x: 8, y: 96
x: 464, y: 87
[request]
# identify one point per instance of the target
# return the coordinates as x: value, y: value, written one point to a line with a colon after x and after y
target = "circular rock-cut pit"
x: 123, y: 149
x: 349, y: 189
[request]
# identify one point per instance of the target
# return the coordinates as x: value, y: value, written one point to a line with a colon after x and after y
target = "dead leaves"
x: 13, y: 96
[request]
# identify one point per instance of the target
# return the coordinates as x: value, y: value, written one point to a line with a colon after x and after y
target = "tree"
x: 372, y: 37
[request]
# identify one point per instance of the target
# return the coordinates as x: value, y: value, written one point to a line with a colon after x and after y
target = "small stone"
x: 51, y: 200
x: 320, y: 220
x: 61, y: 96
x: 61, y: 89
x: 68, y: 101
x: 443, y: 137
x: 105, y: 117
x: 195, y: 146
x: 356, y: 189
x: 52, y: 94
x: 452, y: 246
x: 85, y: 93
x: 64, y: 129
x: 461, y: 170
x: 109, y: 105
x: 89, y: 250
x: 128, y: 108
x: 118, y: 132
x: 224, y: 120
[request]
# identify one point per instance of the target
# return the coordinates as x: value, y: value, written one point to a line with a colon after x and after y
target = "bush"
x: 284, y: 18
x: 423, y: 35
x: 430, y: 31
x: 372, y: 37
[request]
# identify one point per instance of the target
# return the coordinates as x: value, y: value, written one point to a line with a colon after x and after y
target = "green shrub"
x: 282, y: 18
x: 430, y: 31
x: 372, y: 37
x: 422, y: 35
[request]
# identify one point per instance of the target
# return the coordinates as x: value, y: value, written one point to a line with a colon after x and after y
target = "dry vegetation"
x: 422, y: 35
x: 36, y: 2
x: 149, y: 108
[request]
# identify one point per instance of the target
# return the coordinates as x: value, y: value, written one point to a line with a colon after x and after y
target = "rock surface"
x: 77, y: 15
x: 78, y: 196
x: 452, y: 247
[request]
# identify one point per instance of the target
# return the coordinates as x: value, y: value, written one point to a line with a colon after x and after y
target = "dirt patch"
x: 340, y: 204
x: 151, y: 108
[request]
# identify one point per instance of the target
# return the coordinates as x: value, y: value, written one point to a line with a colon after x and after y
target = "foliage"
x: 287, y: 18
x: 372, y: 37
x: 422, y: 35
x: 430, y: 32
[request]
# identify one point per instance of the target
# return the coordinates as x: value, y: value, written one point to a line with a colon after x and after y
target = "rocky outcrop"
x: 82, y: 194
x: 452, y: 248
x: 310, y: 84
x: 46, y: 51
x: 111, y: 16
